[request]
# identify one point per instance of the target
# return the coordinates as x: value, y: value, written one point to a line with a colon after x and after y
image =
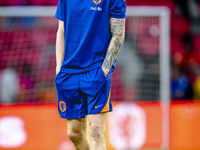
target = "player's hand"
x: 57, y: 70
x: 105, y: 71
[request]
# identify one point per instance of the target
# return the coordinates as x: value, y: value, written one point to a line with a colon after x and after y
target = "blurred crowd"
x: 185, y: 46
x: 20, y: 83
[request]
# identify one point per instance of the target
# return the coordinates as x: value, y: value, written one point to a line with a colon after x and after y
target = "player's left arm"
x: 117, y: 29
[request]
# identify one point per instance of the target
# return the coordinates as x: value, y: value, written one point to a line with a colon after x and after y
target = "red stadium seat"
x: 196, y: 43
x: 54, y: 2
x: 180, y: 25
x: 38, y: 2
x: 15, y: 2
x: 43, y: 2
x: 4, y: 3
x: 138, y: 2
x: 176, y: 46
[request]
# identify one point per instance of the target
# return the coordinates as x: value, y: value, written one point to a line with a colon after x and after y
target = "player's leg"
x: 72, y: 104
x: 76, y: 131
x: 97, y: 88
x: 97, y: 131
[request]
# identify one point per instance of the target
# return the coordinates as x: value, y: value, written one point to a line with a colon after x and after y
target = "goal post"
x: 147, y: 45
x: 164, y: 19
x: 163, y: 13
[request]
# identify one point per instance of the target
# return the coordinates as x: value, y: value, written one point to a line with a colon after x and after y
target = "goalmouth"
x: 163, y: 15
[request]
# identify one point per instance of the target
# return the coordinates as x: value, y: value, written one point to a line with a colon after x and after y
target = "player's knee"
x: 75, y: 137
x: 96, y: 133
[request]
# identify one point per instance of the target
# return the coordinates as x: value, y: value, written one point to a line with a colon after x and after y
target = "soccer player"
x: 89, y: 37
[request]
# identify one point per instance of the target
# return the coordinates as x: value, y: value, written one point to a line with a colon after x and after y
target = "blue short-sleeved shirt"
x: 87, y: 33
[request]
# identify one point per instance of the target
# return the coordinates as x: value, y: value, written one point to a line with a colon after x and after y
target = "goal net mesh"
x: 27, y: 47
x: 138, y: 72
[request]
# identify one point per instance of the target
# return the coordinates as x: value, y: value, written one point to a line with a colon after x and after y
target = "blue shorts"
x: 83, y: 94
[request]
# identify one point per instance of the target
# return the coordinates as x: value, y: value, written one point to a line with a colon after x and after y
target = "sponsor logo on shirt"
x: 96, y: 8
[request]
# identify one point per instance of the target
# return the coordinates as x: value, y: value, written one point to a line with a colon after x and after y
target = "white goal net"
x: 144, y: 58
x: 27, y: 44
x: 27, y: 52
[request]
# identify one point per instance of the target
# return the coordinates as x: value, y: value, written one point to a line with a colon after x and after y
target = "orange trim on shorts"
x: 106, y: 108
x: 59, y: 115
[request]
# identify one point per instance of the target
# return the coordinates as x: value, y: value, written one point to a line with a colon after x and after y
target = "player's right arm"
x: 60, y: 46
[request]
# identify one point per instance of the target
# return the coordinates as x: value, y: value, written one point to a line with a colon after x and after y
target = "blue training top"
x: 87, y: 33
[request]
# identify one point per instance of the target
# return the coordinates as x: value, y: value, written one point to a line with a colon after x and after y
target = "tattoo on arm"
x: 117, y: 29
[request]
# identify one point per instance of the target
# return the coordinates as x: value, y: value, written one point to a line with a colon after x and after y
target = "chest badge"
x: 97, y: 1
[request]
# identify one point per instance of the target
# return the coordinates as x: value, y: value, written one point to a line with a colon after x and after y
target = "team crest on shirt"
x: 62, y: 106
x: 97, y: 1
